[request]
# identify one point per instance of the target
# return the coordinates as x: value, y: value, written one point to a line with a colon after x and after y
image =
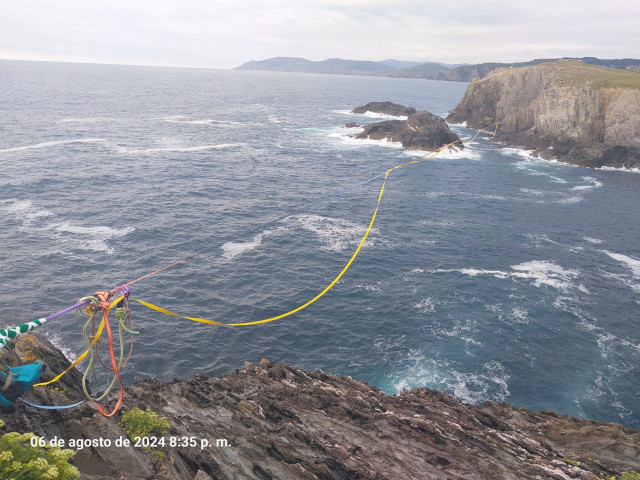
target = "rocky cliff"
x: 582, y: 114
x: 273, y: 421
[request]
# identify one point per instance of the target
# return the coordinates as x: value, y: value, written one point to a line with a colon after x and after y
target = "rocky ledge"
x: 280, y: 422
x: 581, y: 114
x: 422, y: 130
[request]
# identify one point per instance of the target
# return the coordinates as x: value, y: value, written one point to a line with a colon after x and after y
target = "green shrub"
x: 143, y: 423
x: 21, y: 461
x: 630, y: 476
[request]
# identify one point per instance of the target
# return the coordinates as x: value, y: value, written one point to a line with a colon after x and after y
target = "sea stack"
x: 422, y: 130
x: 570, y: 111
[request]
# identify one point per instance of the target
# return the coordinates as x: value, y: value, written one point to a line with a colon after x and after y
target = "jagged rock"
x: 421, y: 131
x: 283, y: 423
x: 577, y: 113
x: 386, y: 108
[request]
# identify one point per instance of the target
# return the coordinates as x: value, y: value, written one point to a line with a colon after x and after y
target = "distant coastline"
x: 405, y: 69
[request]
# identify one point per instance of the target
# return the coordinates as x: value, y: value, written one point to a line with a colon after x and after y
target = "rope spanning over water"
x: 100, y: 301
x: 346, y: 267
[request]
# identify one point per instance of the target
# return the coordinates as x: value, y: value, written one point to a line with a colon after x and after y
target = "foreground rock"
x: 581, y: 114
x: 421, y: 131
x: 284, y: 423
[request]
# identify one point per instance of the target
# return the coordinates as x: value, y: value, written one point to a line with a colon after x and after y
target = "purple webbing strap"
x: 67, y: 310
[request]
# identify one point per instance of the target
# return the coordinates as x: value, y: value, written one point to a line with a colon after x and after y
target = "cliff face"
x: 577, y: 113
x: 284, y: 423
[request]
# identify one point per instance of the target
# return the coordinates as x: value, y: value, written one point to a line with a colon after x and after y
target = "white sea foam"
x: 350, y: 140
x: 177, y: 149
x: 55, y: 143
x: 613, y: 169
x: 488, y: 384
x: 336, y: 234
x: 24, y: 210
x: 233, y: 249
x: 426, y: 306
x: 87, y: 120
x: 631, y: 263
x: 372, y: 115
x: 36, y: 219
x: 593, y: 184
x: 205, y: 121
x: 89, y: 238
x: 592, y: 240
x: 449, y: 153
x: 546, y: 273
x: 541, y: 272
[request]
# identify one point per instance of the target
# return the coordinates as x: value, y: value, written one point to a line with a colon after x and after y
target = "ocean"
x: 488, y: 273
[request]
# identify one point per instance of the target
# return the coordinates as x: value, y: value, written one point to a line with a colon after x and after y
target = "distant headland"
x: 406, y: 69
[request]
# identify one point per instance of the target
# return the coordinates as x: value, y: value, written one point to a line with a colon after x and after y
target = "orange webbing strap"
x: 114, y: 364
x: 86, y: 352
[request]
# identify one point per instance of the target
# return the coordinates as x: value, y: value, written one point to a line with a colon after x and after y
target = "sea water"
x: 488, y: 273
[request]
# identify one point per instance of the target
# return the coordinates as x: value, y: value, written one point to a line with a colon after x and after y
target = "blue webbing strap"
x: 51, y: 407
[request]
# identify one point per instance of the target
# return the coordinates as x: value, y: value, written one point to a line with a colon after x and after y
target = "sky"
x: 226, y: 33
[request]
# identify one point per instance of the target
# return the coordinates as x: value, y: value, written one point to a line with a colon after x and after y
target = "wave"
x: 206, y: 121
x: 54, y: 143
x: 548, y: 273
x: 425, y: 306
x: 89, y: 238
x: 488, y: 383
x: 631, y: 263
x: 595, y: 241
x: 233, y: 249
x: 383, y: 116
x: 24, y: 210
x: 198, y: 148
x: 72, y: 236
x: 594, y: 184
x: 336, y: 234
x: 540, y: 271
x: 87, y: 120
x: 466, y: 153
x: 614, y: 169
x: 347, y: 137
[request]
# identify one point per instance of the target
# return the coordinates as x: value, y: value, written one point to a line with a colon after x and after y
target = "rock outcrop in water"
x: 581, y: 114
x: 421, y: 131
x: 287, y: 424
x: 385, y: 108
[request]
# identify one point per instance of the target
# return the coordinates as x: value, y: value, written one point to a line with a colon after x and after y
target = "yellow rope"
x: 335, y: 280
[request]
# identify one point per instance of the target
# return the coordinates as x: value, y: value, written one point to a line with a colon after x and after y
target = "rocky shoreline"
x: 568, y: 111
x: 280, y: 422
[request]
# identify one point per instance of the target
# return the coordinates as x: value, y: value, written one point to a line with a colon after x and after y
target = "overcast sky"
x: 227, y: 33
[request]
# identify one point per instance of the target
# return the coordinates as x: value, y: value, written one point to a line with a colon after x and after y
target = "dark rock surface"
x: 386, y: 108
x: 287, y: 424
x: 421, y: 131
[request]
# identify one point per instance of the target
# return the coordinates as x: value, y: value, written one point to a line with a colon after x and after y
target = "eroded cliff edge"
x: 288, y: 424
x: 577, y: 113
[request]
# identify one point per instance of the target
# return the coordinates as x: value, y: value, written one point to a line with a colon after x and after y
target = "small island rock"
x: 385, y: 108
x: 421, y: 131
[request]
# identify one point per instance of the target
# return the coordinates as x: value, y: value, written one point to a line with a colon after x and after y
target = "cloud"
x: 225, y: 33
